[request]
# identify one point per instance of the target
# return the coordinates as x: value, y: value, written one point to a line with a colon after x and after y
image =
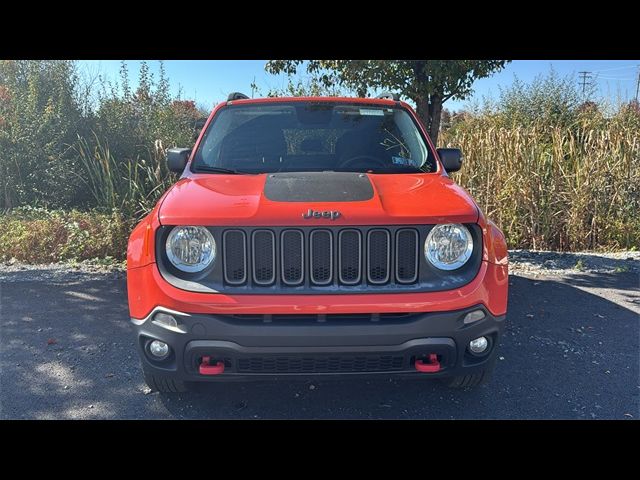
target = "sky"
x: 210, y: 81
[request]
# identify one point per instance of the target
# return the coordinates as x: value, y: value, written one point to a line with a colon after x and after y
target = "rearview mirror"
x: 177, y: 159
x: 451, y: 159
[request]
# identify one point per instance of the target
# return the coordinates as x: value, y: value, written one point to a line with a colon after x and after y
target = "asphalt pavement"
x: 571, y: 351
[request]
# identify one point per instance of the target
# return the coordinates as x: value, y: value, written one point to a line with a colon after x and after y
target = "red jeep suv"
x: 315, y: 236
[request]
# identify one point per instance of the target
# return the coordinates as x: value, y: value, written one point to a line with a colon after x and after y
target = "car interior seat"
x: 251, y: 149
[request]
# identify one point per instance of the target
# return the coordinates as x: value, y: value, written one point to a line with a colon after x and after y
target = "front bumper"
x: 148, y: 290
x: 300, y: 346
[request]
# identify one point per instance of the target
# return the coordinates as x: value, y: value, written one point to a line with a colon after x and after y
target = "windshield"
x: 313, y: 137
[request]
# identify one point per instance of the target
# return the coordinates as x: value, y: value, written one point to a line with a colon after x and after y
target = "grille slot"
x: 350, y: 258
x: 378, y: 248
x: 321, y: 364
x: 321, y: 256
x: 235, y: 257
x: 264, y: 257
x: 292, y: 256
x: 407, y: 246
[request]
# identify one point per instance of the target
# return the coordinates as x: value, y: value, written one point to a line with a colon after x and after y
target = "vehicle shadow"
x: 617, y: 281
x: 566, y: 353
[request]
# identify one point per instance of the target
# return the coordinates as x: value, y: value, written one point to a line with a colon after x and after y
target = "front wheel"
x: 468, y: 381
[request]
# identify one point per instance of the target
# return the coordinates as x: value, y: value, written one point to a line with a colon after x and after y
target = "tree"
x: 311, y: 86
x: 39, y: 116
x: 549, y: 98
x: 428, y: 83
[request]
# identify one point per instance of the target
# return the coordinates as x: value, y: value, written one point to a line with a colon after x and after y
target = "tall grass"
x: 132, y: 187
x: 555, y: 186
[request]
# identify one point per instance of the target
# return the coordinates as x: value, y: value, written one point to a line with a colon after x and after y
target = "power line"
x: 615, y: 68
x: 623, y: 79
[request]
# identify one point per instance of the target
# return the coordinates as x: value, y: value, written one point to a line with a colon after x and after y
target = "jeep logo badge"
x: 330, y: 214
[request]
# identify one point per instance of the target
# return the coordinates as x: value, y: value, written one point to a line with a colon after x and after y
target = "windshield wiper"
x: 230, y: 171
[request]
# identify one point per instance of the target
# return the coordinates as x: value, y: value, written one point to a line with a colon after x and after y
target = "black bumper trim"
x: 234, y: 356
x: 307, y: 345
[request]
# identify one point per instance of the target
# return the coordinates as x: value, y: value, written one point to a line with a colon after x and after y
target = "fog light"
x: 473, y: 316
x: 159, y: 349
x: 479, y: 345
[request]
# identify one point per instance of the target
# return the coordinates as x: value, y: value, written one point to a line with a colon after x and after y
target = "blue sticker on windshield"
x: 405, y: 162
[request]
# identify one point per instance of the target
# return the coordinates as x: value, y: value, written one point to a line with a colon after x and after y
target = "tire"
x: 164, y: 384
x: 468, y: 381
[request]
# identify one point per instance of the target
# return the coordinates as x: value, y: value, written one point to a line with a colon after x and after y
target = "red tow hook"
x: 431, y: 367
x: 207, y: 369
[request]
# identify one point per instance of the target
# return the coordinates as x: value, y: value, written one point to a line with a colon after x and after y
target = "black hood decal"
x: 318, y: 187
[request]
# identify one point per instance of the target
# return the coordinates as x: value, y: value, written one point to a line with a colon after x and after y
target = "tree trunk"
x: 422, y: 109
x: 429, y: 109
x: 435, y: 113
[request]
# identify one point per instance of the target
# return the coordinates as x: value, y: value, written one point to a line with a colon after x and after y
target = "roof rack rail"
x: 237, y: 96
x: 389, y: 96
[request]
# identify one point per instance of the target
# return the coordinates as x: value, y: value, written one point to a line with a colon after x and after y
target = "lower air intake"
x: 321, y: 364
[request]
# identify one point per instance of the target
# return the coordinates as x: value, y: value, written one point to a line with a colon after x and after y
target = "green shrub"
x: 60, y: 150
x: 122, y: 156
x: 36, y: 235
x: 39, y: 118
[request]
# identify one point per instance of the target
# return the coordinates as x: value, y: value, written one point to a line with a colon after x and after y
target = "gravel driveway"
x: 571, y: 350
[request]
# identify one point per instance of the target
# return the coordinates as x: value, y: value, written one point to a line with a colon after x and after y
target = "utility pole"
x: 253, y: 86
x: 638, y: 84
x: 585, y: 76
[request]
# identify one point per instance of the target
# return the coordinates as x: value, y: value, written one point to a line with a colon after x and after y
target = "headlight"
x: 191, y: 249
x: 448, y: 246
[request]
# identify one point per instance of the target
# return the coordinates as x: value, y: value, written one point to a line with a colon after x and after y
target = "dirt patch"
x: 14, y: 271
x: 563, y: 263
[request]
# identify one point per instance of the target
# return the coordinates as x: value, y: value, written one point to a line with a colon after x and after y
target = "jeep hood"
x: 281, y: 199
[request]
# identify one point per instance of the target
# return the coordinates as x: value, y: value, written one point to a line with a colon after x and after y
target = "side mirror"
x: 451, y: 159
x: 177, y: 159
